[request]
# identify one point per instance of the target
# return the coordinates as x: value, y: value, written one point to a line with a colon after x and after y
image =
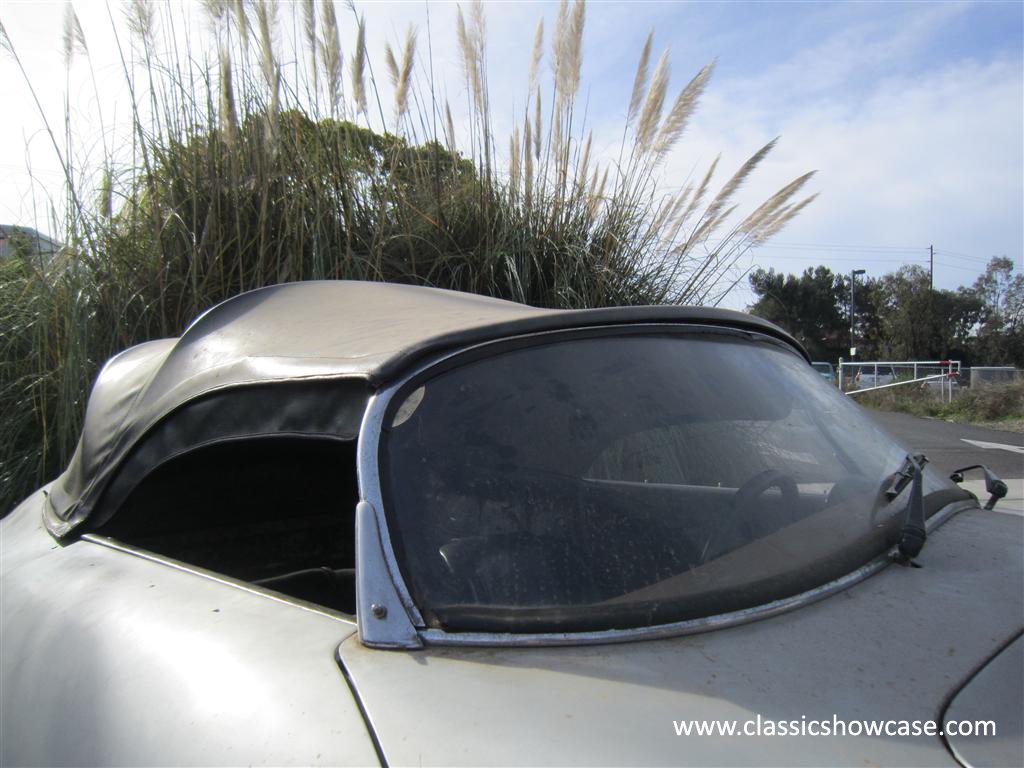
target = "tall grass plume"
x: 254, y: 161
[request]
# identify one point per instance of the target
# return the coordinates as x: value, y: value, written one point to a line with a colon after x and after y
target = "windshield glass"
x: 628, y: 480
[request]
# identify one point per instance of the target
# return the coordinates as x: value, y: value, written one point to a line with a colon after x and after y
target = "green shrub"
x: 241, y: 177
x: 996, y: 402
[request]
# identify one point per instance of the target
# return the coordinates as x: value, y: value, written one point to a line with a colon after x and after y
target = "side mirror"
x: 995, y: 487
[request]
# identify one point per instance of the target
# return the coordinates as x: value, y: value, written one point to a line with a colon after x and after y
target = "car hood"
x: 895, y: 647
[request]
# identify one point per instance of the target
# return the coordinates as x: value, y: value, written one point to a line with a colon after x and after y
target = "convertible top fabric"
x: 300, y: 332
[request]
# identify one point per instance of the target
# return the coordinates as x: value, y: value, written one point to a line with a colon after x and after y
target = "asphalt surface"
x: 943, y: 442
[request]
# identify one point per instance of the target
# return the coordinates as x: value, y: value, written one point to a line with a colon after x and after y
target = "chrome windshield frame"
x: 380, y: 561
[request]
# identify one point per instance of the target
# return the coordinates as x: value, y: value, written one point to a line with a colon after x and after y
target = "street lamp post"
x: 853, y: 281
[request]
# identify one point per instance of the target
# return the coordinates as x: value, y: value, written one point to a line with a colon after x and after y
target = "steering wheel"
x: 742, y: 530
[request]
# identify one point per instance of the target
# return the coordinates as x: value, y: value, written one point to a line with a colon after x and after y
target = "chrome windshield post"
x: 382, y: 619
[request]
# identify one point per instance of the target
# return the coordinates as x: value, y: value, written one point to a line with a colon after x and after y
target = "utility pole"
x: 931, y: 293
x: 853, y: 281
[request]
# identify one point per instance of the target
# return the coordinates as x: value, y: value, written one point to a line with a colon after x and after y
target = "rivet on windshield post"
x: 378, y: 611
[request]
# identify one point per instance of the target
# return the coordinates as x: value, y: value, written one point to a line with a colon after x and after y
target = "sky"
x: 912, y: 113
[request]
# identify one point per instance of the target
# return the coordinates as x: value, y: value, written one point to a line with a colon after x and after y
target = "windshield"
x: 628, y: 480
x: 822, y: 367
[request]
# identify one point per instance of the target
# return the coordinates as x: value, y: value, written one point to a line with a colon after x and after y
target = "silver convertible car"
x: 357, y: 524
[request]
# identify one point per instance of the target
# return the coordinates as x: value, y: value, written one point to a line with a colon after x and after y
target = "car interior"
x: 274, y: 511
x: 622, y: 535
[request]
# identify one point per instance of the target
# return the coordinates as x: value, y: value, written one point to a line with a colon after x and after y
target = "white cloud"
x: 932, y: 157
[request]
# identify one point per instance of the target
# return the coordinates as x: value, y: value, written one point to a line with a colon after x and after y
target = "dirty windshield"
x: 627, y: 480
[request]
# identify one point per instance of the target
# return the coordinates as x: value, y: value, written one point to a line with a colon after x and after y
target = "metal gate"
x: 885, y: 374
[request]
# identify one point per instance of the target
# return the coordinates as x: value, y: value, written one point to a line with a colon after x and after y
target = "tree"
x: 1001, y: 331
x: 811, y: 307
x: 898, y: 316
x: 919, y: 323
x: 958, y: 314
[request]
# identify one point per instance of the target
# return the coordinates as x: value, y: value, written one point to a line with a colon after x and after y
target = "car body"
x: 826, y: 370
x: 874, y: 376
x: 351, y: 523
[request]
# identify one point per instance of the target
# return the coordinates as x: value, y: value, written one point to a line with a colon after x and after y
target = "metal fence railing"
x: 869, y: 376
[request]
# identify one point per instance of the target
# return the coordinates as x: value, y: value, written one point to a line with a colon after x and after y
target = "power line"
x: 956, y: 253
x: 962, y: 256
x: 846, y: 246
x: 865, y: 259
x: 881, y: 250
x: 923, y: 256
x: 962, y: 269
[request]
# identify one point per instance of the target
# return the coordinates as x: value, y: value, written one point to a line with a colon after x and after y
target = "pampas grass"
x: 358, y: 69
x: 310, y: 37
x: 535, y: 57
x: 331, y: 46
x: 74, y: 39
x: 401, y: 73
x: 639, y: 80
x: 240, y: 175
x: 681, y: 111
x: 650, y: 113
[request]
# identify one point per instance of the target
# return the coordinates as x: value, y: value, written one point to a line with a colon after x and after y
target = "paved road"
x: 943, y: 443
x: 947, y: 448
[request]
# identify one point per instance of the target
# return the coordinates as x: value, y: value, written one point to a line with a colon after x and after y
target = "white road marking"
x: 994, y: 446
x: 1002, y: 511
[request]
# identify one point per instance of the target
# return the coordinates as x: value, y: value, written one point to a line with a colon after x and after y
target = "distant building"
x: 13, y: 237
